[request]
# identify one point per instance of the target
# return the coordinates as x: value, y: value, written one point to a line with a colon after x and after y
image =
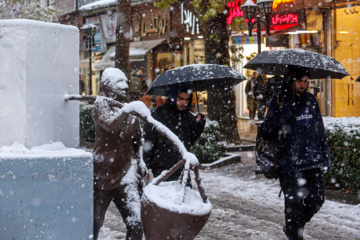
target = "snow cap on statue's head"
x: 111, y: 74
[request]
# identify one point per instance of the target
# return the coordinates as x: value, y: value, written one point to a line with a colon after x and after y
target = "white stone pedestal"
x: 39, y: 65
x: 44, y: 194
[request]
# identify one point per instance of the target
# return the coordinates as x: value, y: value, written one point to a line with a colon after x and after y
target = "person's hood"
x: 171, y: 100
x: 133, y: 73
x: 293, y: 73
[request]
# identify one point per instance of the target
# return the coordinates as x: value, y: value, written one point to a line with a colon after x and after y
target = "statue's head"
x: 114, y: 84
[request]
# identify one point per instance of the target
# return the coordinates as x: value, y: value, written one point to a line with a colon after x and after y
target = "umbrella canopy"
x: 276, y: 62
x: 198, y: 77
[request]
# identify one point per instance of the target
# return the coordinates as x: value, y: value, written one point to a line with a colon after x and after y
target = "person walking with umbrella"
x: 159, y: 153
x: 304, y: 150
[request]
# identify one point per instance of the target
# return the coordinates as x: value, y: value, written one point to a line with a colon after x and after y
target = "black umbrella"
x: 276, y: 62
x: 198, y: 77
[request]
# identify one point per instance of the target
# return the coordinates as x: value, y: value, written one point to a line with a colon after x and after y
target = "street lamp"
x: 249, y: 8
x: 88, y: 32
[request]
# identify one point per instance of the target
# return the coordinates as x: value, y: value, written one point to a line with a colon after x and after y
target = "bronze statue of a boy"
x: 115, y: 173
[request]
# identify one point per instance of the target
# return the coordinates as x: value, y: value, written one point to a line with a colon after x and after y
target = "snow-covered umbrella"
x: 277, y: 62
x: 198, y: 77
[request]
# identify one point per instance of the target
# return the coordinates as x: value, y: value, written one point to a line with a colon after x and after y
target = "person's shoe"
x: 252, y: 122
x: 258, y: 170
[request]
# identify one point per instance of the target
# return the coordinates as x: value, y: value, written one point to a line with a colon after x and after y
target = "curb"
x: 227, y: 160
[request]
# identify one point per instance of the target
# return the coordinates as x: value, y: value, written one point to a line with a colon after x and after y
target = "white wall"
x: 39, y: 65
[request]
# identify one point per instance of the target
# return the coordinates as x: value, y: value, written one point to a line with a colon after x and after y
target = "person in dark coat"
x: 261, y: 95
x: 250, y: 97
x: 273, y: 87
x: 159, y: 153
x: 305, y: 151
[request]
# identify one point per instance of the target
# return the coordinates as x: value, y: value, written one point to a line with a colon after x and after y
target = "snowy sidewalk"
x: 247, y: 206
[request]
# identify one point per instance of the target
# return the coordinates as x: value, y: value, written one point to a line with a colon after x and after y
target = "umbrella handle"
x: 197, y: 102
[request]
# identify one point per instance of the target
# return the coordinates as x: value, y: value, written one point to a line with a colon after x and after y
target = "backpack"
x: 268, y: 151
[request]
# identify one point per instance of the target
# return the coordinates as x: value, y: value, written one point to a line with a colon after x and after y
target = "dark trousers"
x: 304, y: 196
x: 127, y: 200
x: 261, y: 110
x: 252, y: 106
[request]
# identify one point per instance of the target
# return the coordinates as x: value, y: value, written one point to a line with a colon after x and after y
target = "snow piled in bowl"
x: 167, y: 195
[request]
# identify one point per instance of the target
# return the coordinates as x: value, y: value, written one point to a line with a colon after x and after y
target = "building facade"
x: 325, y: 26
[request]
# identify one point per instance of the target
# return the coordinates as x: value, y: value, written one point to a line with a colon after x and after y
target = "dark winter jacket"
x: 304, y: 142
x: 260, y: 89
x: 159, y: 153
x: 248, y: 90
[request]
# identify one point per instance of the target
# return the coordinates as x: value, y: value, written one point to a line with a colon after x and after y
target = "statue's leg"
x: 127, y: 200
x: 102, y: 201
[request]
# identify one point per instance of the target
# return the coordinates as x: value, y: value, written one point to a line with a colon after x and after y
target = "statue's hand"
x: 142, y: 170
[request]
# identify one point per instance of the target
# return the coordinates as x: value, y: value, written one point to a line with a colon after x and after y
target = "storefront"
x: 247, y: 47
x: 346, y: 45
x: 323, y: 26
x: 160, y: 39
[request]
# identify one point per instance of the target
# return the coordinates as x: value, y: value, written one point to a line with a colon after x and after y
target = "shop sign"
x: 108, y: 23
x: 282, y: 21
x: 155, y: 25
x: 351, y: 10
x: 190, y: 20
x: 246, y: 40
x: 287, y: 18
x: 97, y: 40
x: 234, y: 10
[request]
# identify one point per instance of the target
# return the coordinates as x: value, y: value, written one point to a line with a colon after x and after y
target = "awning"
x: 137, y: 52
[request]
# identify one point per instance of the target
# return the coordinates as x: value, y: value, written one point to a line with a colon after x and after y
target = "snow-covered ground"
x: 247, y: 206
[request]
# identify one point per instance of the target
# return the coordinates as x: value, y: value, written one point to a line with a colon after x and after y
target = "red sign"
x: 234, y: 10
x: 287, y: 18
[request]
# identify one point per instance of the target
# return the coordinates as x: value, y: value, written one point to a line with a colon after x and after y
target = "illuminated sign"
x: 286, y: 18
x: 234, y: 10
x: 278, y: 3
x: 190, y: 20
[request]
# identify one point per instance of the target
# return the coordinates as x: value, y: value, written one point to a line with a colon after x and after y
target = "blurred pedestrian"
x: 273, y: 87
x: 304, y: 150
x: 146, y: 99
x: 140, y: 75
x: 250, y: 97
x: 158, y: 100
x: 135, y: 86
x: 261, y: 95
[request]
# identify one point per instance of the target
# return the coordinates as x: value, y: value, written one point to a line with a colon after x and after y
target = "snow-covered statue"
x: 115, y: 173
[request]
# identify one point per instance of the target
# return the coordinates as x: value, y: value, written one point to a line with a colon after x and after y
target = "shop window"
x: 164, y: 64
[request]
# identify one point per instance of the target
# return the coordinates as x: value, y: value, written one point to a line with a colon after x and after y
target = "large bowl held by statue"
x: 169, y: 212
